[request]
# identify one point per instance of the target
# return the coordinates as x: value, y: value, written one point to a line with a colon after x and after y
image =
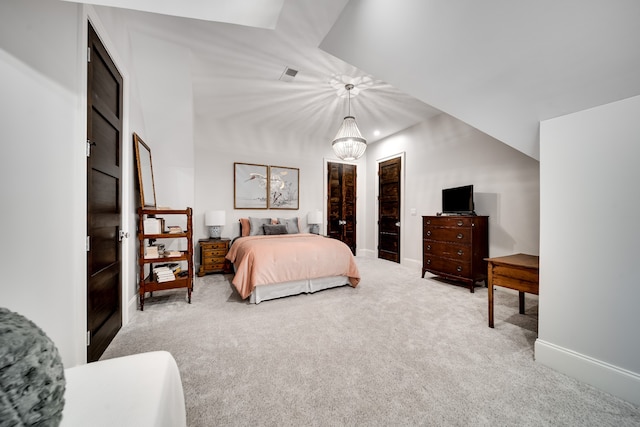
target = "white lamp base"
x: 314, y: 229
x: 215, y: 231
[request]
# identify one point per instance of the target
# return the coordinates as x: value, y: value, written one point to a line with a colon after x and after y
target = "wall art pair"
x: 265, y: 187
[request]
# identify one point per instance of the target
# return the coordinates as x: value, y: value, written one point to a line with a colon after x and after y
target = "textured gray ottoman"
x: 32, y: 380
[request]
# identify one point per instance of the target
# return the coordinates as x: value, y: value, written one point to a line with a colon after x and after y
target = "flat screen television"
x: 458, y: 200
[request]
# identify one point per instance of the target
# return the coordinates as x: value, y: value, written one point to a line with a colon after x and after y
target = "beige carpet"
x: 397, y: 350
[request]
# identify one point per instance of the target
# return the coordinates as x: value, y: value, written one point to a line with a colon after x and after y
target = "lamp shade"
x: 314, y: 217
x: 214, y: 218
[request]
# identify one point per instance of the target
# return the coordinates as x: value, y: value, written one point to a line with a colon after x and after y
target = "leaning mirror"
x: 145, y: 173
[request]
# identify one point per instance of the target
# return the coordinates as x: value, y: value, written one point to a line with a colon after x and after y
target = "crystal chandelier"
x: 349, y: 143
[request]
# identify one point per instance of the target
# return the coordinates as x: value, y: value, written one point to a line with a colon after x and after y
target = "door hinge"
x: 89, y: 144
x: 88, y: 243
x: 88, y: 338
x: 88, y: 54
x: 122, y: 235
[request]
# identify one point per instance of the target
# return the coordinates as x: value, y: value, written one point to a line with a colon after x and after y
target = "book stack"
x: 151, y: 252
x: 173, y: 266
x: 175, y: 229
x: 172, y: 253
x: 163, y: 274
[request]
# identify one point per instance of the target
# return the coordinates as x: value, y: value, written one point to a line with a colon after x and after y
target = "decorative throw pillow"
x: 271, y: 229
x: 245, y: 227
x: 32, y: 380
x: 256, y: 225
x: 291, y: 224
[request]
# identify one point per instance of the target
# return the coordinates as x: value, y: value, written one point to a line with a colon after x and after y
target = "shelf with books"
x: 152, y: 255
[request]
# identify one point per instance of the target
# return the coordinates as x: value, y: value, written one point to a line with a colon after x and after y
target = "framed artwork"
x: 250, y: 186
x: 284, y: 187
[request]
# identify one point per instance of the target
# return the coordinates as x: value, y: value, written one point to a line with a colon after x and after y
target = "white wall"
x: 219, y: 146
x: 445, y: 152
x: 589, y: 247
x: 43, y: 169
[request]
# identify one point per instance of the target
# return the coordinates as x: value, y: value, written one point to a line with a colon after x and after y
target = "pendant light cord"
x: 348, y: 87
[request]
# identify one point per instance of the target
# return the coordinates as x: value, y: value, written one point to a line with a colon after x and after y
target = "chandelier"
x: 349, y: 143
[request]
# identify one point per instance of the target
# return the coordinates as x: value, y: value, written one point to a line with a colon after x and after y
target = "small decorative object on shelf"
x: 212, y: 256
x: 156, y: 272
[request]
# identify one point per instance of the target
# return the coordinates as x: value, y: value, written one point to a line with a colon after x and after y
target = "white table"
x: 139, y: 390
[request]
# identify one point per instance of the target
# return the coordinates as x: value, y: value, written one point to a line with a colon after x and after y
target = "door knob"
x: 398, y: 224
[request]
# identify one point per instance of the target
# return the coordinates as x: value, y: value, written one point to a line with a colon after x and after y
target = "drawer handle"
x: 428, y: 247
x: 428, y: 221
x: 460, y: 252
x: 459, y: 236
x: 460, y: 223
x: 428, y: 261
x: 429, y: 233
x: 459, y: 268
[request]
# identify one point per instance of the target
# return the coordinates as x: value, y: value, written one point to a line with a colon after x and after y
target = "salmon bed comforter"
x: 264, y: 260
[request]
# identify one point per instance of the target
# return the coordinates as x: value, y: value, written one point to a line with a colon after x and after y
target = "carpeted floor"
x: 396, y: 350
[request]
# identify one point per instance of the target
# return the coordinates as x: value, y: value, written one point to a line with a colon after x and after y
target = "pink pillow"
x: 245, y: 227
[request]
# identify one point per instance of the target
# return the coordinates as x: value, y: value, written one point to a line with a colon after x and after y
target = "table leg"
x: 490, y: 291
x: 521, y: 301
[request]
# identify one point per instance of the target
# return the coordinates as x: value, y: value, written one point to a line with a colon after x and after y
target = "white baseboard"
x: 611, y: 379
x: 367, y: 253
x: 132, y: 308
x: 414, y: 264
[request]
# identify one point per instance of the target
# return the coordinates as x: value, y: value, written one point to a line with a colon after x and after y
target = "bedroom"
x: 47, y: 206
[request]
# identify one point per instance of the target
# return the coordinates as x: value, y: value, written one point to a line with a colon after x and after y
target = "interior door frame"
x: 403, y: 211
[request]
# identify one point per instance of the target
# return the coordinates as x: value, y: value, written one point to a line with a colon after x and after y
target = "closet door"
x: 104, y: 218
x: 341, y: 203
x: 389, y: 209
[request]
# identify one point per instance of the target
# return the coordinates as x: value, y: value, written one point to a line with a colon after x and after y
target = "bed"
x: 274, y: 266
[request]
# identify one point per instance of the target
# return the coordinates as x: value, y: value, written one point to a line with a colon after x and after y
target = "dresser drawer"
x: 447, y: 266
x: 447, y: 250
x: 456, y: 235
x: 448, y: 221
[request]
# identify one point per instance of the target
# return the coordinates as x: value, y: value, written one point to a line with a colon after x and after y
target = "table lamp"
x: 215, y: 220
x: 314, y: 218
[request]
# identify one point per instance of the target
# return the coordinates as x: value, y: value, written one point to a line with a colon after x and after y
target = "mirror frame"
x: 145, y: 173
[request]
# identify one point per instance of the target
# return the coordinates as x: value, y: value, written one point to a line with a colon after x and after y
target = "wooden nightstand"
x: 212, y: 256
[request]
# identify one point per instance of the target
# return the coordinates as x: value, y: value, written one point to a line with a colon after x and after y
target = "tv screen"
x: 458, y: 200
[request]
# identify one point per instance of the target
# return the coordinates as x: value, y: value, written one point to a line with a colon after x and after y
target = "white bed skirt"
x: 278, y: 290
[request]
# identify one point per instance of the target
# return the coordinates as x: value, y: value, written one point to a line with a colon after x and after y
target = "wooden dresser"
x: 454, y: 247
x: 212, y: 256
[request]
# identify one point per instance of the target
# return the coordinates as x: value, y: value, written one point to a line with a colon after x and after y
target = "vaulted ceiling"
x: 499, y: 65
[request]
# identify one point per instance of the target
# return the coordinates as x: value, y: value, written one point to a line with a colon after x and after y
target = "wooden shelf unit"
x: 147, y: 282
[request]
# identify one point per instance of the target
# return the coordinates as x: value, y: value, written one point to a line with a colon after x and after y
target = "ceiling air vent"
x: 288, y: 74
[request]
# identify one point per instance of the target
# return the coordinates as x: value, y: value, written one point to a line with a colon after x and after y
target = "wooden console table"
x: 519, y: 272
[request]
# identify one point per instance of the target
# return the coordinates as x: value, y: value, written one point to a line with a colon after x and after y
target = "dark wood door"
x: 389, y: 209
x: 104, y: 142
x: 341, y: 203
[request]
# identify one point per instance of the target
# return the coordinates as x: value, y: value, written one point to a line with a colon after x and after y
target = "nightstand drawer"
x: 206, y: 252
x: 214, y: 265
